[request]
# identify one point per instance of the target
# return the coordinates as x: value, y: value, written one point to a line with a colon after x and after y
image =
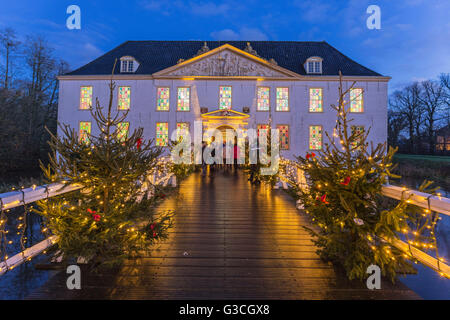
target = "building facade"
x: 287, y: 85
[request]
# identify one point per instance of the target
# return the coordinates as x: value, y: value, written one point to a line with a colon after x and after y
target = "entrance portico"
x: 225, y: 119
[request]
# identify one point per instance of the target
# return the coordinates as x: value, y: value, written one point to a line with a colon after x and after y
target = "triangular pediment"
x: 225, y: 113
x: 227, y: 61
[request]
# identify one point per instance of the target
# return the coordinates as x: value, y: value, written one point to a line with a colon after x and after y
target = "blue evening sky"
x: 413, y: 43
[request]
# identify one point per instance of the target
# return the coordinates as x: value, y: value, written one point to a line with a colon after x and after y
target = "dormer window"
x: 128, y: 64
x: 313, y: 65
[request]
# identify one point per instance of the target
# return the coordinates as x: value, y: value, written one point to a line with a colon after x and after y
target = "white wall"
x: 205, y: 93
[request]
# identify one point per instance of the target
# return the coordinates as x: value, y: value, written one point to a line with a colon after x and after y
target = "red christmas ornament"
x: 152, y: 226
x: 96, y: 217
x: 154, y: 234
x: 91, y: 211
x: 346, y: 181
x: 138, y: 143
x: 324, y: 199
x: 312, y: 155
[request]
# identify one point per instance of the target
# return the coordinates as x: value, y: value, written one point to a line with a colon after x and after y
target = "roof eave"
x: 190, y: 78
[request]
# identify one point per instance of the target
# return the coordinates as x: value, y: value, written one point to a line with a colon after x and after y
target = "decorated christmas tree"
x: 263, y: 169
x: 110, y: 218
x: 354, y: 226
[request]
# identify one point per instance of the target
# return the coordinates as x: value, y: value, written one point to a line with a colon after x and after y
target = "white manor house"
x: 288, y: 85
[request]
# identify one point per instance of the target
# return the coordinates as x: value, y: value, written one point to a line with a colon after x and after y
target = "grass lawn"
x: 420, y: 157
x: 416, y: 168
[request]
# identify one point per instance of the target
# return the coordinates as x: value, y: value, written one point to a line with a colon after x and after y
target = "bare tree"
x: 445, y: 83
x: 42, y: 65
x: 9, y: 46
x: 24, y: 113
x: 396, y: 124
x: 432, y: 99
x: 406, y: 103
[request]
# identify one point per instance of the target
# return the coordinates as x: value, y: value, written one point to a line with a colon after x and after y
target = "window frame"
x: 186, y: 122
x: 218, y: 101
x: 289, y: 135
x: 309, y: 137
x: 157, y: 97
x: 126, y: 62
x: 92, y: 100
x: 354, y: 126
x: 261, y: 124
x: 78, y: 132
x: 362, y: 100
x: 309, y: 100
x: 128, y: 128
x: 313, y: 60
x: 156, y: 133
x: 188, y: 87
x: 289, y: 99
x: 118, y: 98
x: 270, y: 107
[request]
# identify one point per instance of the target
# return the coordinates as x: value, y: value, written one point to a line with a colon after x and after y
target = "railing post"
x: 174, y: 180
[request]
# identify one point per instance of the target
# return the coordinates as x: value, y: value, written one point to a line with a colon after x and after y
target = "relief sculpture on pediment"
x: 226, y: 63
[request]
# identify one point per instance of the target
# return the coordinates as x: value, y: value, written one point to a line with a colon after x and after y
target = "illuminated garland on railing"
x: 291, y: 173
x: 161, y: 175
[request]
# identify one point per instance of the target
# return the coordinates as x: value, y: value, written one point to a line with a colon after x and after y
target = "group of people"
x: 253, y: 168
x: 225, y: 164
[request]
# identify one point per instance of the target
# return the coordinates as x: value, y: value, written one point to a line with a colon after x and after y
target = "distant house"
x: 443, y: 140
x: 169, y: 85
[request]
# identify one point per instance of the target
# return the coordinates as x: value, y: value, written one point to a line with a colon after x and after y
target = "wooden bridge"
x: 230, y: 240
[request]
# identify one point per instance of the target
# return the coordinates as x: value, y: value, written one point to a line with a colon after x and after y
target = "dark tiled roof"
x: 154, y: 56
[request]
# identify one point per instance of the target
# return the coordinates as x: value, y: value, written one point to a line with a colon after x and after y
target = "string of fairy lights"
x: 421, y: 236
x: 19, y: 230
x: 11, y: 231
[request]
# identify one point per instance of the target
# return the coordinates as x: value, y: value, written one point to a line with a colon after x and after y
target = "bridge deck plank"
x: 230, y: 240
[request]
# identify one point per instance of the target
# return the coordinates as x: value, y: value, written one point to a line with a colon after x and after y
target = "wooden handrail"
x: 25, y: 196
x: 428, y: 201
x: 27, y: 254
x: 417, y: 198
x: 18, y: 198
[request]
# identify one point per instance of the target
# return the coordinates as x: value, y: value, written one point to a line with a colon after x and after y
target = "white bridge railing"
x: 160, y: 176
x: 435, y: 203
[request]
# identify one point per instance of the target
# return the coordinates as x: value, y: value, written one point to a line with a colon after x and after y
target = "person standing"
x: 236, y: 152
x: 213, y: 145
x: 203, y: 158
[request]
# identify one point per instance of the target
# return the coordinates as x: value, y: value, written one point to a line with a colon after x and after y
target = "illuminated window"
x: 356, y: 100
x: 315, y: 100
x: 85, y: 98
x: 262, y: 129
x: 85, y: 131
x: 122, y: 130
x: 224, y: 97
x: 357, y: 130
x: 162, y: 102
x: 183, y: 99
x: 315, y: 137
x: 284, y: 136
x: 263, y: 100
x: 182, y: 126
x: 162, y: 134
x: 124, y: 98
x: 282, y: 99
